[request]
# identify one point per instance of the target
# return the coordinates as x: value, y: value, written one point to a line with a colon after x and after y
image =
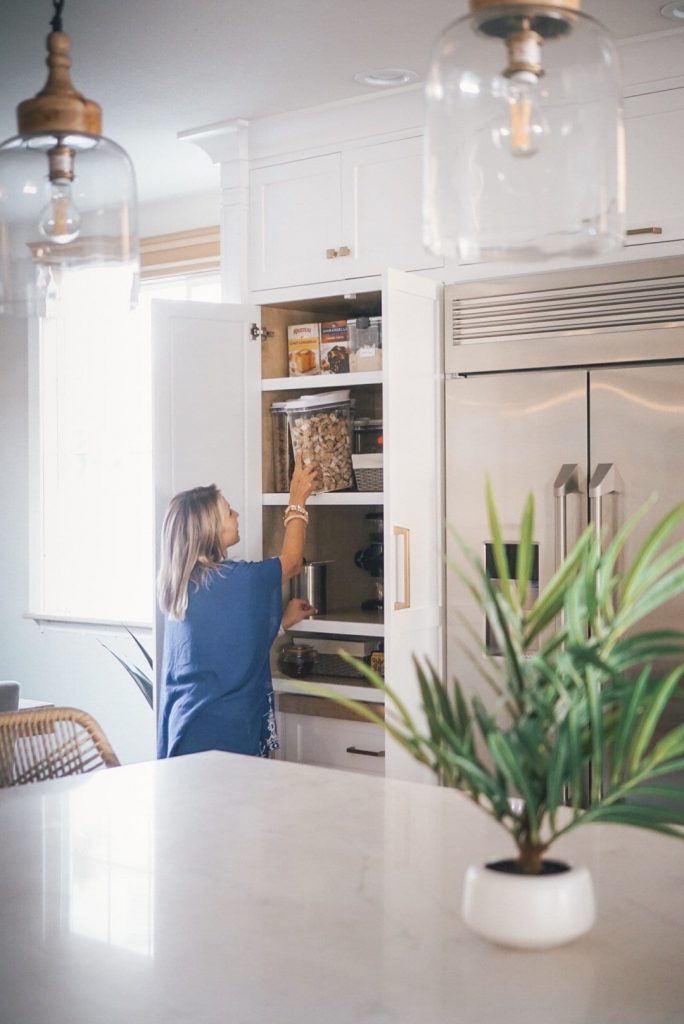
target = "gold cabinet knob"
x: 331, y: 254
x: 344, y: 250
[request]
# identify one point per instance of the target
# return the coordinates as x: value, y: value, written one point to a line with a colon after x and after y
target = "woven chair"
x: 49, y: 743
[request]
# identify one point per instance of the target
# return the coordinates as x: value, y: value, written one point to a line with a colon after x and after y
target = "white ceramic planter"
x: 528, y: 911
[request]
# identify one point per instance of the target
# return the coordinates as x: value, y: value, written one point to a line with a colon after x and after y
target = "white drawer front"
x: 327, y: 742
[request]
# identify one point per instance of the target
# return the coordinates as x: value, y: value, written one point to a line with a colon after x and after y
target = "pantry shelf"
x: 347, y: 623
x: 330, y: 498
x: 321, y: 380
x: 367, y: 693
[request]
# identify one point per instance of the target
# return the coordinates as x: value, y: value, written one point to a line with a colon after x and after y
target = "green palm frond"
x: 576, y: 685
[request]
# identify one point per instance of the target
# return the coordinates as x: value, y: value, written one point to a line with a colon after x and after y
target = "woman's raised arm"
x: 304, y: 481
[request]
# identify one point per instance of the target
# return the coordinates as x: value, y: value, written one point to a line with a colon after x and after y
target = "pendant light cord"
x: 56, y: 23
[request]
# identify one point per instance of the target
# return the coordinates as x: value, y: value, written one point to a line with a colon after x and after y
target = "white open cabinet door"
x: 206, y: 423
x: 412, y: 404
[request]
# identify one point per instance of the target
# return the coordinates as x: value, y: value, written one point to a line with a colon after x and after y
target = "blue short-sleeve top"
x: 216, y: 690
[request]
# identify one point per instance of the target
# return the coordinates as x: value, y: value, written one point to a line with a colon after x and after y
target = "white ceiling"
x: 158, y: 67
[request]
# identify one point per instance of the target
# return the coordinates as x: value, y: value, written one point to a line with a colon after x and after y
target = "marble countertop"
x: 218, y: 888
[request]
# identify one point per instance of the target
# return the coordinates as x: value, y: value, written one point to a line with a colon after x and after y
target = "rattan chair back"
x: 50, y: 743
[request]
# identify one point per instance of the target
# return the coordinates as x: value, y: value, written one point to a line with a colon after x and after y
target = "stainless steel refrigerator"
x: 588, y: 418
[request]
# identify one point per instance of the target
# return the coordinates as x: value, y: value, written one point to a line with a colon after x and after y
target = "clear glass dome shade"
x: 84, y: 216
x: 518, y: 165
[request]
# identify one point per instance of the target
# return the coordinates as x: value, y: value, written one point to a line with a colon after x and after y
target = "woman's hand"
x: 305, y: 480
x: 296, y: 610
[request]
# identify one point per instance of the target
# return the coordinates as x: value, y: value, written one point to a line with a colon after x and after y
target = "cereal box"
x: 303, y: 349
x: 335, y: 347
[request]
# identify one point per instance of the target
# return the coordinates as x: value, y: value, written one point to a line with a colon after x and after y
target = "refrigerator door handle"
x: 604, y: 480
x: 567, y: 482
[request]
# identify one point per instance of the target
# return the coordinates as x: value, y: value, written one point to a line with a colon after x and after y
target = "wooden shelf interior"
x: 279, y: 317
x: 334, y: 534
x: 367, y: 402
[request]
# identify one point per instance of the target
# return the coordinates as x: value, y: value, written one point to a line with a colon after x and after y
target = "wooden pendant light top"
x: 563, y: 5
x: 58, y: 107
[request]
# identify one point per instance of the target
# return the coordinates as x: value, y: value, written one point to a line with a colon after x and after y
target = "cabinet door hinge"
x: 259, y: 332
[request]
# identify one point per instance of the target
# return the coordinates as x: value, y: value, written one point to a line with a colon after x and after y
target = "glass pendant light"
x: 67, y: 194
x: 524, y: 139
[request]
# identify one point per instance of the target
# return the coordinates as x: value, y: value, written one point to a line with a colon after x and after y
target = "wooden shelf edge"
x: 365, y: 694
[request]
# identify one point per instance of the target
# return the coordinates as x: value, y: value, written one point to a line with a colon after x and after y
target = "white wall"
x: 183, y: 213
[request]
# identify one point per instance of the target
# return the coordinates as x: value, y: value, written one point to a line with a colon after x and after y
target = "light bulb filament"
x: 522, y: 142
x: 60, y: 221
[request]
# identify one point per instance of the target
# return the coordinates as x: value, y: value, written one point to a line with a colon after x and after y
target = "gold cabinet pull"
x: 366, y: 753
x: 331, y: 254
x: 644, y: 231
x: 402, y: 531
x: 344, y: 250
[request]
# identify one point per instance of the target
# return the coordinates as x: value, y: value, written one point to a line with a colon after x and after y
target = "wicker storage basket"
x: 368, y: 472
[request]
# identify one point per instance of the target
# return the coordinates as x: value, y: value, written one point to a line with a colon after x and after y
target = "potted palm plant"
x: 573, y: 732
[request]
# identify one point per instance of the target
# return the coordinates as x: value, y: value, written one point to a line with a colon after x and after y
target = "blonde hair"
x: 190, y: 547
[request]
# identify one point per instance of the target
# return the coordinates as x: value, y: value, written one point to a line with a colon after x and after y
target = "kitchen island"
x: 219, y: 888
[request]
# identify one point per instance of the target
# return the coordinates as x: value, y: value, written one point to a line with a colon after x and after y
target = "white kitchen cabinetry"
x: 205, y: 388
x: 654, y: 137
x: 342, y: 215
x: 330, y: 741
x: 211, y: 410
x: 295, y: 222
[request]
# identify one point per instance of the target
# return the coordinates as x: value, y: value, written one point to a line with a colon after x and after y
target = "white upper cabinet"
x: 295, y: 222
x: 654, y: 135
x: 382, y: 209
x: 342, y: 215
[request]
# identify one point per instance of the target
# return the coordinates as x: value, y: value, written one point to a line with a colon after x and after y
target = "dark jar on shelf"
x: 297, y: 660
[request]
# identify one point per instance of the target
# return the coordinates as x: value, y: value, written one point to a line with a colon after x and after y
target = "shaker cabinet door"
x: 205, y: 400
x: 654, y: 139
x: 342, y: 215
x: 382, y: 208
x: 412, y: 405
x: 295, y: 226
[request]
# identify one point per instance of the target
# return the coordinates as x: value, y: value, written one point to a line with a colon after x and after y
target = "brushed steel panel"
x: 637, y: 423
x: 518, y: 430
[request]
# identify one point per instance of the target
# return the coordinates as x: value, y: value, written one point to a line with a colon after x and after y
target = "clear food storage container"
x: 320, y: 428
x: 283, y: 459
x: 367, y: 435
x: 365, y: 344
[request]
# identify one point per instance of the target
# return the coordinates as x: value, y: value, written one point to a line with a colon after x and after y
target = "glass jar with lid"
x: 367, y: 436
x: 297, y: 660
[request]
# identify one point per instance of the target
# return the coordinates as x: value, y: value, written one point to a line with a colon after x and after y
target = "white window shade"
x: 180, y: 253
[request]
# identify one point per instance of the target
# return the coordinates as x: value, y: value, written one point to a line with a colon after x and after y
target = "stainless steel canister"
x: 311, y: 585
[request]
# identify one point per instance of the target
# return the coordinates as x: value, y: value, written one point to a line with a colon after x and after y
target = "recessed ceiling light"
x: 673, y: 10
x: 386, y: 76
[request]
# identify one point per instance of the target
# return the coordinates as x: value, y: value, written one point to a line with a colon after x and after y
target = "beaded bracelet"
x: 295, y: 515
x: 296, y: 508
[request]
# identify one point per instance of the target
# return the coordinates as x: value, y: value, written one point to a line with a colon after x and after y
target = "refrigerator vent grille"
x: 578, y: 309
